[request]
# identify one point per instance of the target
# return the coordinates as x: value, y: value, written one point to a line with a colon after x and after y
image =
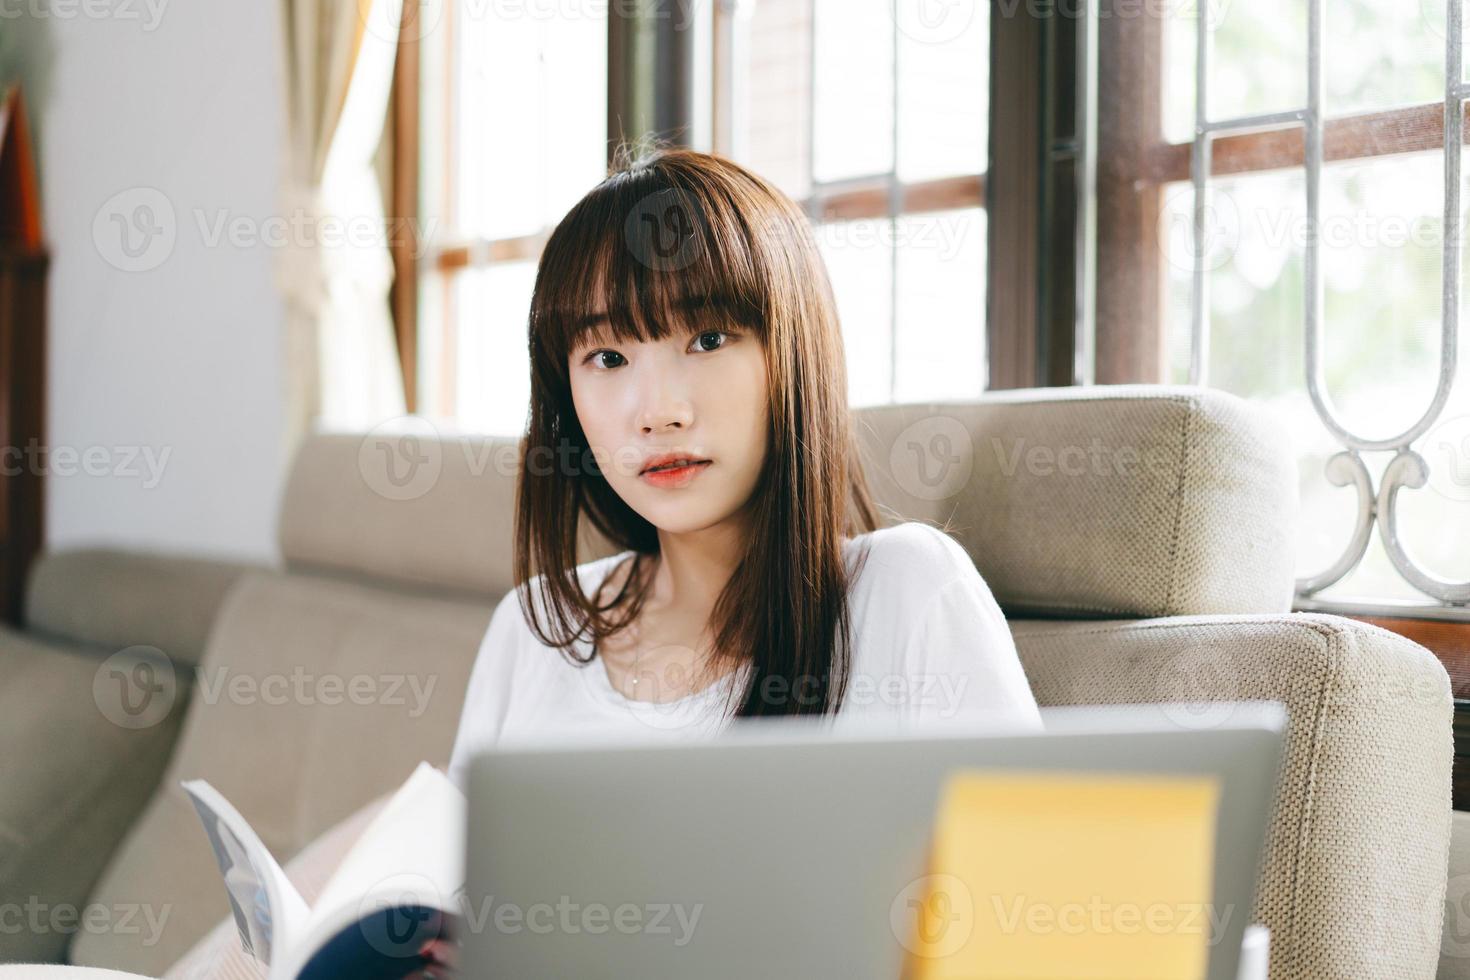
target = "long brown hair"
x: 678, y: 230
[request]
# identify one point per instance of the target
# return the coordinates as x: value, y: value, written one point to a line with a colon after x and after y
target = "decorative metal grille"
x: 1407, y: 469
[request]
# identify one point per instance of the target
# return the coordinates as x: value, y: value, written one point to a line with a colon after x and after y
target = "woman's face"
x: 699, y: 393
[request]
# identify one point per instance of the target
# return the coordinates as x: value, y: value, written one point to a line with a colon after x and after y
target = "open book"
x: 399, y: 887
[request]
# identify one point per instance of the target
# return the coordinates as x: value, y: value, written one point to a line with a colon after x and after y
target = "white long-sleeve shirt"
x: 929, y: 643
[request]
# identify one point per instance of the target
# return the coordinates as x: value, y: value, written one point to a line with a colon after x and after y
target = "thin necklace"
x: 637, y: 657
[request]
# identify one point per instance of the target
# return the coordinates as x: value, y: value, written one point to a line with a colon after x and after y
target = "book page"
x: 398, y: 886
x: 269, y: 913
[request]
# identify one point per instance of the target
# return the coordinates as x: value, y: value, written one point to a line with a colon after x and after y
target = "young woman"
x: 689, y: 397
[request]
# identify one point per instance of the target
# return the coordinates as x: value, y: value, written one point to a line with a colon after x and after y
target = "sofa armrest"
x: 116, y: 599
x: 86, y: 740
x: 1353, y: 878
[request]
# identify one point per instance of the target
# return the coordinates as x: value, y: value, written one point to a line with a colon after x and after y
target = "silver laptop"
x: 783, y: 847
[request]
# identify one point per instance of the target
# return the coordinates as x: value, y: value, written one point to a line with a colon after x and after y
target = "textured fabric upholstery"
x: 73, y: 777
x: 1354, y: 873
x: 431, y: 512
x: 1100, y: 502
x: 1454, y: 945
x: 116, y: 599
x: 294, y: 756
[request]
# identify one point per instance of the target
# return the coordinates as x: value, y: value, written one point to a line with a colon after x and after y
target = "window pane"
x: 1381, y: 256
x: 943, y: 90
x: 1177, y: 96
x: 1379, y: 55
x: 1259, y: 62
x: 941, y: 306
x: 531, y: 114
x: 492, y: 366
x: 1253, y: 255
x: 859, y: 256
x: 854, y: 88
x: 777, y: 77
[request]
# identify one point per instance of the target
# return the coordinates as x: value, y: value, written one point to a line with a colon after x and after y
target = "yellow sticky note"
x: 1050, y: 875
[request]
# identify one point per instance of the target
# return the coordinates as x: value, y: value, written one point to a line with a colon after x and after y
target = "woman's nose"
x: 665, y: 402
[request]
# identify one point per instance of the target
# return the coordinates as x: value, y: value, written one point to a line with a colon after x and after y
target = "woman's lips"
x: 677, y: 477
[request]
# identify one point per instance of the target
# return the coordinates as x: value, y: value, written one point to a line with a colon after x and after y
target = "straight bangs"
x: 641, y: 259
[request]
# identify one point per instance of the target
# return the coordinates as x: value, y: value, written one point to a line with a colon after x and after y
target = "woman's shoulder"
x: 912, y: 551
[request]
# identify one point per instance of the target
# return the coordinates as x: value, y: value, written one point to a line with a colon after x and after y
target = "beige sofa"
x: 1140, y: 538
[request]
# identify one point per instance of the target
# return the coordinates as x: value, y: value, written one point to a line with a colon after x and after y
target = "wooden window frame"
x: 1032, y: 295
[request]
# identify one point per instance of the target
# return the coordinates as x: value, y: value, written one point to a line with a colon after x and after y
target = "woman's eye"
x: 597, y: 356
x: 699, y: 340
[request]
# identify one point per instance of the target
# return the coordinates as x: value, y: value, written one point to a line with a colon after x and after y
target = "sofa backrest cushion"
x: 412, y: 507
x: 1106, y: 501
x: 1124, y: 500
x: 113, y: 599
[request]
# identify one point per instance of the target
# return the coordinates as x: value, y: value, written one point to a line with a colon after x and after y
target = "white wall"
x: 178, y: 360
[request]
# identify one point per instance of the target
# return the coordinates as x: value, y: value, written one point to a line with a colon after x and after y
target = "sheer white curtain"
x: 342, y: 368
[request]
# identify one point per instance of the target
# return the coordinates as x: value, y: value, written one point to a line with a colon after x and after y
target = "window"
x: 872, y: 118
x: 876, y: 121
x: 514, y: 102
x: 1323, y: 201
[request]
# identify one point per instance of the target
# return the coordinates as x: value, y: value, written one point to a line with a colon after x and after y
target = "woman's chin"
x: 683, y: 516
